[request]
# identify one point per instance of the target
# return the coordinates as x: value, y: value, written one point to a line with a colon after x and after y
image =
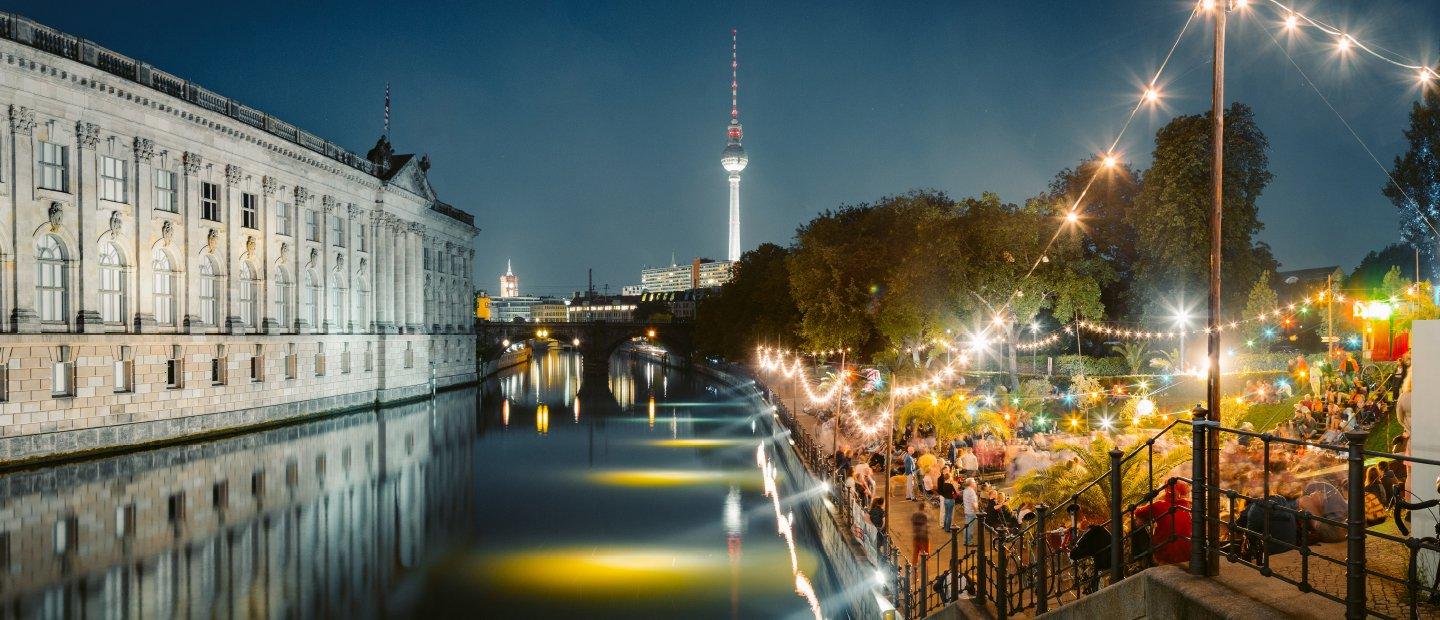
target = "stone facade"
x: 172, y: 261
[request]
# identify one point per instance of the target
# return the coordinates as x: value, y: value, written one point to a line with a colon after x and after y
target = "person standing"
x: 969, y: 465
x: 910, y: 472
x: 970, y: 503
x: 948, y: 493
x: 920, y: 522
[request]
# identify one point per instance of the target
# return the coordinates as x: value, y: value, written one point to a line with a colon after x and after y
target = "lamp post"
x: 1210, y: 563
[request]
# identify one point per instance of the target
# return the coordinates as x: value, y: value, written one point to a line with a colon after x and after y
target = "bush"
x: 1090, y: 366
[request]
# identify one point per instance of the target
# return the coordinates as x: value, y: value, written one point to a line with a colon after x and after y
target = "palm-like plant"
x: 1134, y: 355
x: 1058, y: 484
x: 953, y: 417
x: 1168, y: 361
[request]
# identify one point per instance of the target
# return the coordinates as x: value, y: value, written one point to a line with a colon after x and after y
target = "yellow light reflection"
x: 577, y: 411
x: 652, y: 412
x: 505, y: 412
x: 542, y: 419
x: 673, y: 477
x: 628, y: 572
x: 701, y: 442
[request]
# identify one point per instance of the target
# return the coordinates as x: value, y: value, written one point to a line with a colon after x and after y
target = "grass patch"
x: 1383, y: 433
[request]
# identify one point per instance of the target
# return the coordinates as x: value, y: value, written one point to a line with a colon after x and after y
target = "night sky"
x: 589, y: 135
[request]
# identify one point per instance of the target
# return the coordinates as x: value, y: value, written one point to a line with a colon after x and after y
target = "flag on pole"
x: 387, y: 108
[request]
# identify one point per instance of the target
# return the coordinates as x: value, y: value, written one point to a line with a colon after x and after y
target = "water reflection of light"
x: 732, y: 511
x: 505, y: 412
x: 623, y: 573
x: 652, y: 412
x: 670, y: 477
x: 577, y: 411
x: 542, y: 419
x: 702, y: 442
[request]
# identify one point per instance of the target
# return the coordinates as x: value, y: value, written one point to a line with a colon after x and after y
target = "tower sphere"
x: 733, y: 157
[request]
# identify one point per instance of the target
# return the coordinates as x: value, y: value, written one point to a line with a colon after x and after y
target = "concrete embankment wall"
x: 507, y: 361
x: 853, y: 574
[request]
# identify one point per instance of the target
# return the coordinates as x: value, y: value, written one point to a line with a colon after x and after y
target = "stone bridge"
x: 597, y: 341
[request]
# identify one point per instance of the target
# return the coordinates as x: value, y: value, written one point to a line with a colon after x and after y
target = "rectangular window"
x: 175, y: 508
x: 54, y: 167
x: 62, y: 374
x: 218, y: 364
x: 175, y: 368
x: 220, y: 495
x: 249, y: 211
x: 345, y: 360
x: 5, y: 384
x: 320, y: 359
x: 292, y: 361
x: 425, y: 254
x: 257, y: 364
x: 209, y: 201
x: 113, y: 179
x: 124, y: 371
x: 282, y: 219
x: 360, y: 239
x: 337, y: 231
x: 369, y: 357
x: 409, y: 355
x: 67, y: 535
x: 125, y: 521
x: 165, y: 197
x: 312, y: 225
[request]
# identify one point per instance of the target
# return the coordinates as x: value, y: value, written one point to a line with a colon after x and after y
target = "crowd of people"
x: 1339, y: 401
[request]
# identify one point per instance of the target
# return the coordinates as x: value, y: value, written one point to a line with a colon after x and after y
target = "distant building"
x: 700, y: 273
x: 617, y: 309
x: 512, y: 309
x: 632, y: 290
x: 682, y: 304
x: 509, y: 283
x: 482, y: 306
x: 550, y: 311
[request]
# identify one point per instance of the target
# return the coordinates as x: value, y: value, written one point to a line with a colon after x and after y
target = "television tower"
x: 733, y: 157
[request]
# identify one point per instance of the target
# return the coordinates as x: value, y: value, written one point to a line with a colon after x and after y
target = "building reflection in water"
x: 326, y: 518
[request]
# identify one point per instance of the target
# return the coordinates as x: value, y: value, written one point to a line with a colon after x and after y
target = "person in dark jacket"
x: 1094, y: 544
x: 877, y: 518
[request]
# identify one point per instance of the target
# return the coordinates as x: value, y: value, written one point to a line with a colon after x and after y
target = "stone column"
x: 189, y: 315
x: 352, y: 264
x: 380, y: 285
x: 26, y: 213
x: 417, y: 277
x: 83, y: 265
x: 328, y: 206
x: 267, y: 207
x: 142, y: 298
x: 302, y: 256
x: 397, y: 272
x: 230, y: 297
x: 402, y: 277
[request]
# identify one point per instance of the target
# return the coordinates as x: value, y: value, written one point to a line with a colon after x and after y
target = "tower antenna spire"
x: 734, y: 76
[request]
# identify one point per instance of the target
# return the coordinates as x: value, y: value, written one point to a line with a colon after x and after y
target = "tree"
x: 1016, y: 271
x: 1172, y: 212
x: 1377, y: 263
x: 873, y: 276
x: 752, y: 309
x: 1059, y: 483
x: 1134, y: 355
x: 953, y: 417
x: 1262, y: 300
x: 1415, y: 189
x: 1106, y: 207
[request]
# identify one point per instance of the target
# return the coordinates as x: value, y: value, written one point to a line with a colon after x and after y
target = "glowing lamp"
x: 1145, y: 407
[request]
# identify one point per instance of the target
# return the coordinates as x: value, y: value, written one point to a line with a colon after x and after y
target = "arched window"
x: 51, y: 282
x: 362, y: 304
x: 284, y: 288
x: 311, y: 304
x: 112, y: 284
x: 163, y: 271
x: 209, y: 291
x: 249, y: 295
x: 337, y: 299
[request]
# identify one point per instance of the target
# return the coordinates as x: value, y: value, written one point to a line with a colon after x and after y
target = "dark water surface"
x: 507, y: 500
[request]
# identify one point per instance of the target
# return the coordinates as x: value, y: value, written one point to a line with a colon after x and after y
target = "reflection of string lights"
x: 785, y: 524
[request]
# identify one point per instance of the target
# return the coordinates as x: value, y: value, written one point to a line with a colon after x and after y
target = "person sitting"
x: 1170, y: 514
x: 1322, y: 499
x: 1094, y: 545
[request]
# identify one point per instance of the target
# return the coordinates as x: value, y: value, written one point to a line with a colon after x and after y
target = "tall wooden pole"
x: 1212, y: 385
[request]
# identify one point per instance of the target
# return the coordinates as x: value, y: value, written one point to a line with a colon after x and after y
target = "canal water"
x: 512, y: 499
